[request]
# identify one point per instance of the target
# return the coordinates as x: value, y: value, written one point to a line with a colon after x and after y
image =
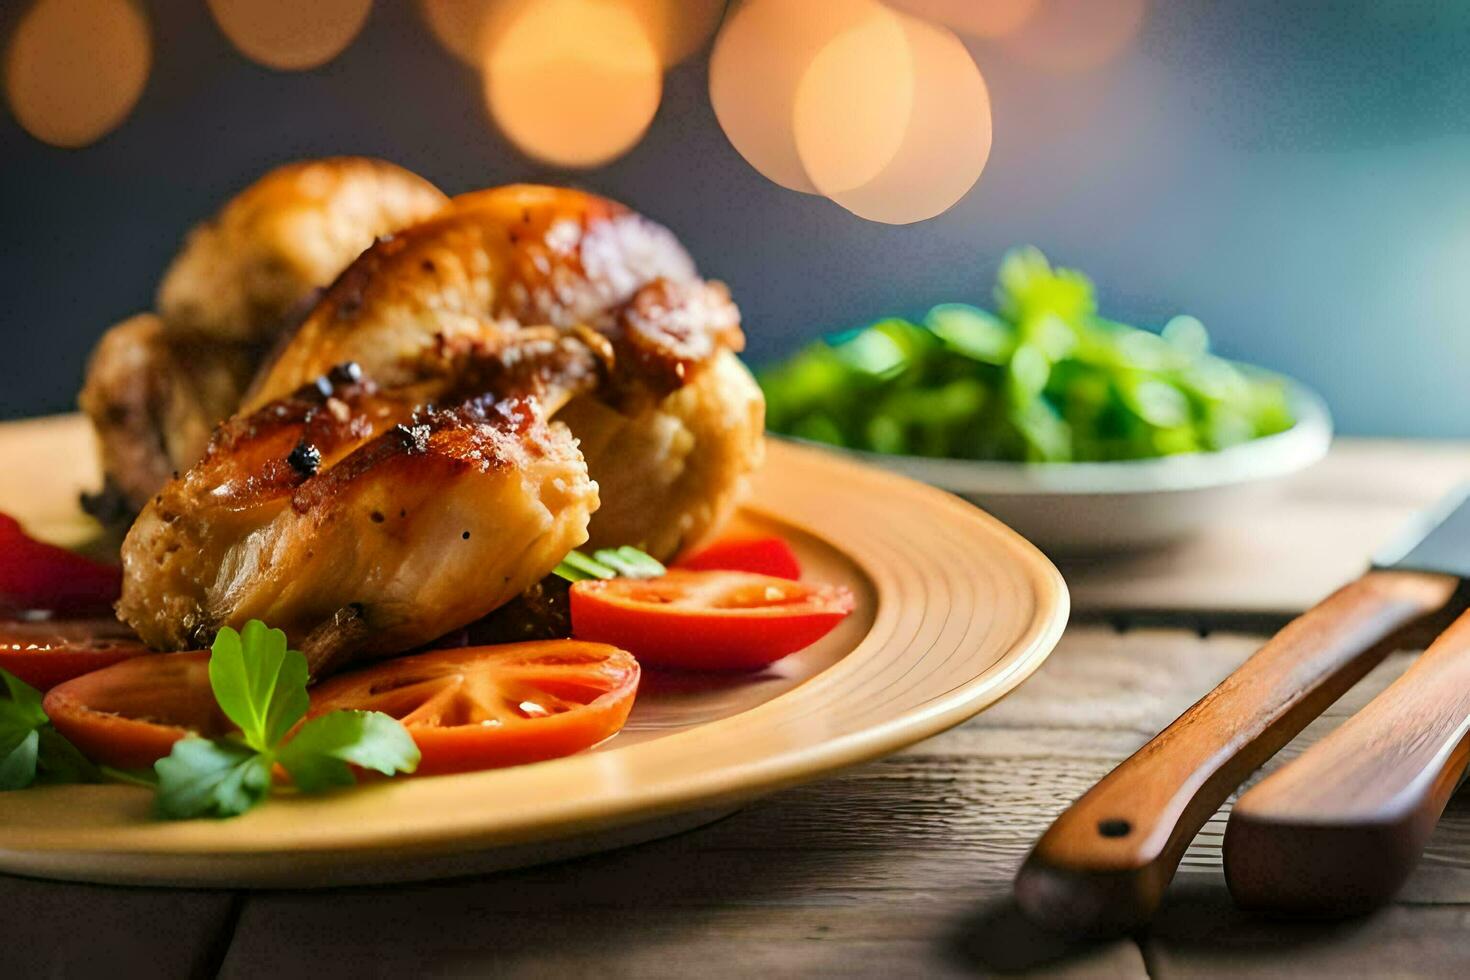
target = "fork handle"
x: 1338, y: 830
x: 1103, y: 865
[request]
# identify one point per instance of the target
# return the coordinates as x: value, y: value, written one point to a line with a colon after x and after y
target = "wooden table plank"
x: 59, y: 929
x: 1296, y: 547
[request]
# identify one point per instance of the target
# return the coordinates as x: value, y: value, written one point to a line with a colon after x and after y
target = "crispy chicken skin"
x: 356, y: 524
x: 157, y: 385
x: 497, y: 261
x: 153, y: 402
x: 240, y: 274
x: 494, y: 262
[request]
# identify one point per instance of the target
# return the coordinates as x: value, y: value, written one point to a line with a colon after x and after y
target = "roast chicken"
x: 157, y: 385
x: 475, y: 395
x: 365, y: 521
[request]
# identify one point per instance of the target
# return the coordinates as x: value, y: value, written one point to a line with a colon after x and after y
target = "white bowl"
x: 1097, y: 508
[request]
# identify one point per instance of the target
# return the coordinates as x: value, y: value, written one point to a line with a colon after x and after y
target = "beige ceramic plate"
x: 954, y: 610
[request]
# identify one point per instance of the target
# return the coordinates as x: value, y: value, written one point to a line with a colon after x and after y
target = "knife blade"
x: 1102, y: 866
x: 1338, y: 830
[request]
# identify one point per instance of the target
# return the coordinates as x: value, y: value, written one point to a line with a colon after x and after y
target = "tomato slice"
x: 130, y: 715
x: 485, y: 707
x: 45, y: 652
x: 707, y: 620
x: 764, y: 556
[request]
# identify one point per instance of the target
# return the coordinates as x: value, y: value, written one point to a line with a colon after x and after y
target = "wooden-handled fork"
x: 1103, y: 865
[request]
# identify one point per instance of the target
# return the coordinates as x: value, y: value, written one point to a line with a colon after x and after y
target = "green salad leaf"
x: 1043, y: 378
x: 260, y: 685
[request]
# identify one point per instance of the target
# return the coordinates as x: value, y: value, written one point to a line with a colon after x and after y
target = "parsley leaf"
x: 211, y: 778
x: 31, y: 751
x: 318, y: 756
x: 18, y: 756
x: 263, y: 692
x: 260, y: 685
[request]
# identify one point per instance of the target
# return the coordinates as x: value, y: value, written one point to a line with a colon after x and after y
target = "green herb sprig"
x: 624, y: 562
x: 31, y: 750
x: 260, y: 685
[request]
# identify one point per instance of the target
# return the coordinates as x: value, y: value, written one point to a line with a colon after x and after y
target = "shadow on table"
x: 1197, y: 923
x: 999, y: 939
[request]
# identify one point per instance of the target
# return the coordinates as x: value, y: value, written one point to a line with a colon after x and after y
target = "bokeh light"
x: 676, y: 28
x: 977, y: 18
x: 572, y: 82
x: 1078, y: 35
x: 947, y: 140
x: 760, y: 56
x: 290, y: 35
x: 853, y: 103
x: 457, y: 25
x: 74, y: 69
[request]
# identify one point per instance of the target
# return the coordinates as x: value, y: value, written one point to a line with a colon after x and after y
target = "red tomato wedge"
x: 764, y: 556
x: 486, y: 707
x: 36, y: 575
x: 707, y: 620
x: 130, y: 715
x: 43, y: 653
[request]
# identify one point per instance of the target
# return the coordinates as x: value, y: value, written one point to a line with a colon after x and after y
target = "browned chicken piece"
x: 156, y: 386
x: 153, y: 402
x: 240, y: 274
x: 671, y: 474
x: 360, y: 526
x: 494, y: 262
x: 498, y: 261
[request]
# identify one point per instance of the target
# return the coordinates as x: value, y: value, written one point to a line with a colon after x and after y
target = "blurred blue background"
x: 1295, y: 174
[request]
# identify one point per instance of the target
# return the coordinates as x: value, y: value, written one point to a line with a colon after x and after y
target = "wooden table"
x: 902, y: 867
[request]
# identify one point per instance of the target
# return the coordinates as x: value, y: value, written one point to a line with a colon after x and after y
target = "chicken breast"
x: 494, y: 262
x: 359, y: 524
x: 498, y: 261
x: 240, y: 274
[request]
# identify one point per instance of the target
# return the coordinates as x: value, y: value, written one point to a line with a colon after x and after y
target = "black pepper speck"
x: 305, y: 459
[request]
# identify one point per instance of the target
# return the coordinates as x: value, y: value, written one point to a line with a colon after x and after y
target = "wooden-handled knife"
x: 1338, y: 830
x: 1103, y: 865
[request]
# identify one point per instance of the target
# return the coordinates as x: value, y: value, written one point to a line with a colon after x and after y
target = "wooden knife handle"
x: 1338, y: 830
x: 1103, y: 865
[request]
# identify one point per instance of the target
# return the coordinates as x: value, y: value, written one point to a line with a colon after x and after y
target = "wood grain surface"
x: 899, y: 868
